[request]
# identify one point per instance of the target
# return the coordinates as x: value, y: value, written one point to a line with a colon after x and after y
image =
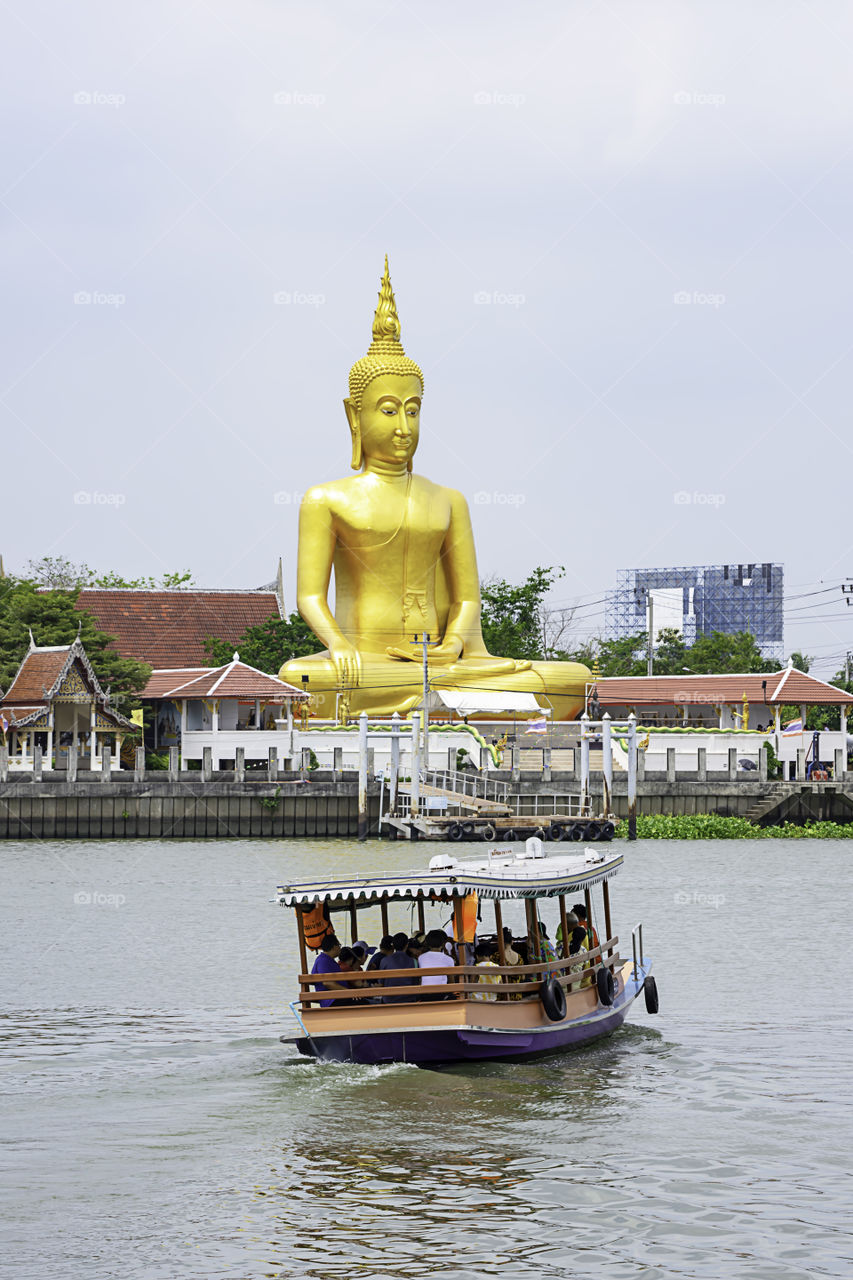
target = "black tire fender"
x: 576, y: 833
x: 553, y: 999
x: 555, y: 831
x: 508, y: 835
x: 467, y: 829
x: 608, y: 831
x: 606, y: 986
x: 650, y: 991
x: 593, y: 832
x: 454, y: 831
x: 489, y: 832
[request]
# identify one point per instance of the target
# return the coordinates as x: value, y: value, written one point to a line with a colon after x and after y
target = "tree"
x: 267, y: 646
x: 57, y: 573
x: 716, y: 653
x: 514, y: 620
x: 54, y: 620
x: 802, y: 661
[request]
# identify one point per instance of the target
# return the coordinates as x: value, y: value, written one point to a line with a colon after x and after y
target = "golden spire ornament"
x: 385, y: 353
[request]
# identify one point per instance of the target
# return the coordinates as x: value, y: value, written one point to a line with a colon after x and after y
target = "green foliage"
x: 156, y: 760
x: 271, y: 802
x: 715, y: 826
x: 59, y: 574
x: 716, y: 653
x: 267, y: 646
x: 802, y: 661
x: 54, y: 620
x: 774, y: 764
x: 512, y: 616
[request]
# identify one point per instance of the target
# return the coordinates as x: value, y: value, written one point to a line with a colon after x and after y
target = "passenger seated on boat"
x: 579, y: 910
x: 399, y: 959
x: 434, y: 957
x: 512, y: 956
x: 386, y: 948
x: 577, y: 933
x: 483, y: 953
x: 327, y: 962
x: 348, y: 962
x: 362, y: 950
x: 546, y: 951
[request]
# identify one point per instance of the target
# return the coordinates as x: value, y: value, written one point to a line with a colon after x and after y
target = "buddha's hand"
x: 486, y: 665
x: 347, y: 662
x: 446, y: 652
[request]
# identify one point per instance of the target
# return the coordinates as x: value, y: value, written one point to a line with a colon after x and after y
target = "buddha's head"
x: 385, y: 392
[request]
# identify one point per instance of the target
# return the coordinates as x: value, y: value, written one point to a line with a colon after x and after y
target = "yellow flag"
x: 136, y: 717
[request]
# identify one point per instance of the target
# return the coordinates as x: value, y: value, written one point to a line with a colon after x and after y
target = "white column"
x: 607, y: 760
x: 395, y: 764
x: 416, y: 764
x: 93, y: 739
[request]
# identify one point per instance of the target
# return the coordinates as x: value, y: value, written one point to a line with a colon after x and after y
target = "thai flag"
x: 537, y: 726
x: 793, y: 726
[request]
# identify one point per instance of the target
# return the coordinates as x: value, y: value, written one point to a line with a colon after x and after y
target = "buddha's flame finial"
x: 385, y: 354
x: 386, y: 322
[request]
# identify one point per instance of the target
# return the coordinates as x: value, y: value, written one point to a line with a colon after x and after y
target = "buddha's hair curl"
x: 385, y: 354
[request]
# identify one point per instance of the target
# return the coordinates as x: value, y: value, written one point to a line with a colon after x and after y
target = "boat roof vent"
x: 442, y: 862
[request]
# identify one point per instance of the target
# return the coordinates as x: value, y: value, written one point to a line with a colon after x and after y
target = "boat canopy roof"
x: 501, y: 874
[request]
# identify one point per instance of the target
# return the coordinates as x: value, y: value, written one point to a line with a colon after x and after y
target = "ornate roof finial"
x: 32, y: 641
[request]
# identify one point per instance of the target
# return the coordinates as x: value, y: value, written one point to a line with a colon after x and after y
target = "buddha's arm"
x: 313, y: 575
x: 463, y: 633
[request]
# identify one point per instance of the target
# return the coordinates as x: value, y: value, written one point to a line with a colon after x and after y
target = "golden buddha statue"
x: 402, y: 550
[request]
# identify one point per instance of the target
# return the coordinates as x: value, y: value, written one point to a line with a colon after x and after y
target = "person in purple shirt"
x: 327, y: 962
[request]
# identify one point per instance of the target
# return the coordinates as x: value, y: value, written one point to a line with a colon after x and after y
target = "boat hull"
x: 437, y: 1046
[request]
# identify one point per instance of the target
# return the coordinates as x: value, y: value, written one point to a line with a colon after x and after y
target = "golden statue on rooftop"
x: 402, y: 550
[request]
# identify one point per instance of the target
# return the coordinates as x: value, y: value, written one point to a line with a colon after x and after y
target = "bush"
x: 716, y: 826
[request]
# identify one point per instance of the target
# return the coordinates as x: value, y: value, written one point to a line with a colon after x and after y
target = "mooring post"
x: 38, y: 764
x: 174, y: 763
x: 338, y: 762
x: 395, y: 765
x: 632, y: 777
x: 4, y: 762
x: 240, y: 764
x: 701, y: 764
x: 732, y: 764
x: 106, y: 761
x: 139, y: 764
x: 305, y: 764
x: 584, y: 763
x: 607, y: 761
x: 272, y: 767
x: 416, y: 765
x: 362, y: 776
x: 206, y: 764
x: 670, y: 764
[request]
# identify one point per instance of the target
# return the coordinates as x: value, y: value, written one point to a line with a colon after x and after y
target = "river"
x: 154, y: 1126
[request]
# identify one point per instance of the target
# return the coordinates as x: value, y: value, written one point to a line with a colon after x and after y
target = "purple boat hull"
x: 437, y: 1047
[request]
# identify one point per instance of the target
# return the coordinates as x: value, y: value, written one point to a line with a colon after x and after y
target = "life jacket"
x: 469, y: 917
x: 591, y: 938
x: 315, y: 926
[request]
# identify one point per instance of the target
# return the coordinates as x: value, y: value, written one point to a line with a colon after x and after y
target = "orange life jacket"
x: 469, y: 917
x: 315, y: 926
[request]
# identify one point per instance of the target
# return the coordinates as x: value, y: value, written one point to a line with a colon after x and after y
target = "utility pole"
x: 651, y: 652
x: 423, y: 639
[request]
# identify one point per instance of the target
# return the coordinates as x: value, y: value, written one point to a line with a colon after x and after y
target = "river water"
x: 153, y: 1126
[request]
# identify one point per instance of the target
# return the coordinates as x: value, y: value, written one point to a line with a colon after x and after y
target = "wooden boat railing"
x: 523, y: 981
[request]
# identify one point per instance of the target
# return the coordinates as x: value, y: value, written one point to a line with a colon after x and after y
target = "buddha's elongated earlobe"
x: 355, y: 429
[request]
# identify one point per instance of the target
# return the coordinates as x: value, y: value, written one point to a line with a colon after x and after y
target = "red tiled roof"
x: 17, y: 715
x: 37, y: 674
x: 169, y: 628
x: 782, y: 686
x: 234, y: 680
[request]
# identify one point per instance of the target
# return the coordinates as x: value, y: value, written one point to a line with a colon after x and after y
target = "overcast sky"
x: 620, y: 238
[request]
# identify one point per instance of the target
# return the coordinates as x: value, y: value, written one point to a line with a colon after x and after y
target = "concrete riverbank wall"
x: 187, y: 807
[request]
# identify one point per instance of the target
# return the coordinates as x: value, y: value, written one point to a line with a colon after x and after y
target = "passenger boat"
x: 545, y: 1006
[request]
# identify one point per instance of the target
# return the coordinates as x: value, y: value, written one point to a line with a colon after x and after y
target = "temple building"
x: 223, y: 708
x: 56, y: 703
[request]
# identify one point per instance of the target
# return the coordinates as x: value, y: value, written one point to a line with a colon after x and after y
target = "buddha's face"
x: 389, y: 418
